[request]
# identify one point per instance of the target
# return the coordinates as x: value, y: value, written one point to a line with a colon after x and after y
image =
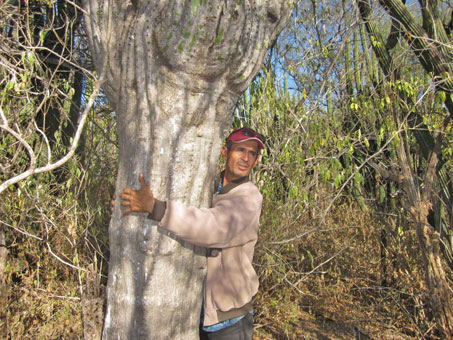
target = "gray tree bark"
x: 174, y: 70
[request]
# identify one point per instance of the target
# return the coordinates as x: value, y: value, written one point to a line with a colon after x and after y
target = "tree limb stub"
x: 205, y: 40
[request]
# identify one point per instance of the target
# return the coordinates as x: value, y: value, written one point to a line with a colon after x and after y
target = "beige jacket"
x: 231, y: 225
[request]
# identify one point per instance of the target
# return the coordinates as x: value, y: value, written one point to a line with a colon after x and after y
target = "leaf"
x: 381, y: 194
x: 42, y: 36
x: 9, y: 85
x: 303, y: 195
x: 293, y: 192
x: 337, y: 180
x: 31, y: 59
x: 367, y: 143
x: 69, y: 182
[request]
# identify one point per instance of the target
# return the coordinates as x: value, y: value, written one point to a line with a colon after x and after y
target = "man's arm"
x: 233, y: 220
x: 213, y: 227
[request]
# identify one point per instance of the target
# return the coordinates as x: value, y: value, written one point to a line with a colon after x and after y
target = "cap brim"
x: 260, y: 143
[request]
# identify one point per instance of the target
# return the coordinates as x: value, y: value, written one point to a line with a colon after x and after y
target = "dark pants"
x: 241, y: 330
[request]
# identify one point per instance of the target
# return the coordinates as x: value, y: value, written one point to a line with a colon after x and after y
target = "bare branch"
x: 63, y: 160
x: 23, y: 232
x: 21, y: 140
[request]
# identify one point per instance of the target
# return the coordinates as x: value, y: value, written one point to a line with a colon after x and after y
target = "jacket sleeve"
x: 233, y: 219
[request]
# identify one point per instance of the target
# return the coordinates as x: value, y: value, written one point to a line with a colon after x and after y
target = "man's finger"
x: 126, y: 211
x: 127, y: 191
x: 141, y: 179
x: 127, y: 196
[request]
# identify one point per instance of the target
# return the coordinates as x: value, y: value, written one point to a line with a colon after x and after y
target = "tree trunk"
x: 174, y: 70
x: 439, y: 293
x: 418, y: 203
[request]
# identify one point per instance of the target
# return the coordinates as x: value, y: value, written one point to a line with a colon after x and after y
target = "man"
x: 229, y: 229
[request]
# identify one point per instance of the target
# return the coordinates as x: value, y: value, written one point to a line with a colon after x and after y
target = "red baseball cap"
x: 245, y: 134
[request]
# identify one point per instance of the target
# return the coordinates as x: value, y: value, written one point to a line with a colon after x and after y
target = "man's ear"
x: 224, y: 152
x: 257, y: 160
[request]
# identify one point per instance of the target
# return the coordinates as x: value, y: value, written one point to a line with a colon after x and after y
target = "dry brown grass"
x: 48, y: 309
x: 346, y: 297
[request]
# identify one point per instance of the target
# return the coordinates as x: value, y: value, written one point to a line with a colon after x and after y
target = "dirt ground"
x: 309, y: 328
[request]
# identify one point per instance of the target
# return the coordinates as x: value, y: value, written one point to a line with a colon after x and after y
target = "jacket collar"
x: 227, y: 188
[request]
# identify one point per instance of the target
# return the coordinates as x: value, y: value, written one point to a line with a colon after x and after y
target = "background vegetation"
x: 359, y: 140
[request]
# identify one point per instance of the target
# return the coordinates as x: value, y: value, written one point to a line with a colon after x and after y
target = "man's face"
x: 240, y: 160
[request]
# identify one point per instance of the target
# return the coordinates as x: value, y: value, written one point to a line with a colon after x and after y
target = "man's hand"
x: 141, y: 200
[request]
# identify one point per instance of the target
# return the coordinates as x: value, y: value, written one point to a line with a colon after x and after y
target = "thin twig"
x: 22, y: 231
x: 47, y: 220
x: 74, y: 298
x: 341, y: 251
x: 314, y: 230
